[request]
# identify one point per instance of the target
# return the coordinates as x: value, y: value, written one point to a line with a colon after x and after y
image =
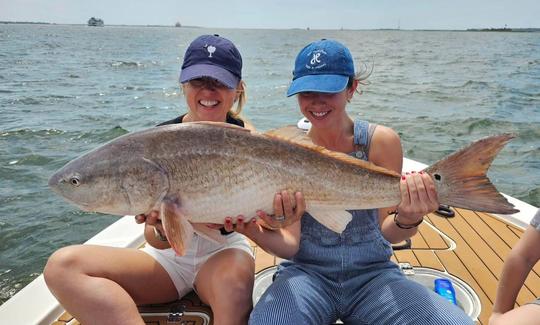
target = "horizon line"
x: 284, y: 28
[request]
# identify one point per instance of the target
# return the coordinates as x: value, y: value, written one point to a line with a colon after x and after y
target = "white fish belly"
x: 215, y: 205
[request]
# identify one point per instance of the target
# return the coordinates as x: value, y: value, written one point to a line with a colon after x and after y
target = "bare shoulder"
x: 385, y: 137
x: 385, y: 149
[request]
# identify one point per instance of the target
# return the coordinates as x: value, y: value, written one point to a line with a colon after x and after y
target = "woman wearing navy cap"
x: 348, y: 276
x: 104, y: 285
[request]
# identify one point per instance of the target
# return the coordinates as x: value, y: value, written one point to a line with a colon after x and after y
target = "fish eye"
x: 75, y: 181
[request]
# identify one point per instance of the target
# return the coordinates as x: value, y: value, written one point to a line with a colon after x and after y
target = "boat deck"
x: 471, y: 246
x: 482, y: 243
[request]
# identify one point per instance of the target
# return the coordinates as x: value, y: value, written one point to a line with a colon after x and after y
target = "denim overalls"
x: 349, y: 276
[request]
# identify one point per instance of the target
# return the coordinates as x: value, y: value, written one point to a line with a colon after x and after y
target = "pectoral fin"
x: 177, y: 227
x: 335, y: 220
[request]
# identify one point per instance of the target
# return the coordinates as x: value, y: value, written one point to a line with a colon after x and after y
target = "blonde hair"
x: 240, y: 100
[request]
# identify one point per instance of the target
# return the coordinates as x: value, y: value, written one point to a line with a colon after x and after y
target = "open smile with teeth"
x: 319, y: 114
x: 208, y: 103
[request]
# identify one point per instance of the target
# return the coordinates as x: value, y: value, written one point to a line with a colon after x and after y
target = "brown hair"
x: 361, y: 76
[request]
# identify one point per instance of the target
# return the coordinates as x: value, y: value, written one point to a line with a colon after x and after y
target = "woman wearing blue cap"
x: 104, y: 285
x: 349, y: 276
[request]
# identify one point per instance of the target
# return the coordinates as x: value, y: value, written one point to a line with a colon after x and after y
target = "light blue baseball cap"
x: 323, y: 66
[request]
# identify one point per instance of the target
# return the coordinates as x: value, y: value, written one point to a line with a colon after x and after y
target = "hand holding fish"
x: 151, y: 219
x: 287, y: 210
x: 245, y: 228
x: 153, y: 232
x: 418, y: 198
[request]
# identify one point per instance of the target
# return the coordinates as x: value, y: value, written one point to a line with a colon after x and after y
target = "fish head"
x: 111, y: 180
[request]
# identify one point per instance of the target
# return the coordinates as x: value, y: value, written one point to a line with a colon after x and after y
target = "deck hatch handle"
x: 406, y: 268
x: 176, y: 313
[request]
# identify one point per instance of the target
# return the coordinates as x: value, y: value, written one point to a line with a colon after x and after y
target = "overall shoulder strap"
x: 363, y: 132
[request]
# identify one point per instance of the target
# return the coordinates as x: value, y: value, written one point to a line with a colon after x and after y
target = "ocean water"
x: 67, y: 89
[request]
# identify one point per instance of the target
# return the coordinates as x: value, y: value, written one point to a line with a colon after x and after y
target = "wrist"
x: 404, y: 224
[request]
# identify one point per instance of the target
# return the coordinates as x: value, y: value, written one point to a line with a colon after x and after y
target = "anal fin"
x: 332, y: 218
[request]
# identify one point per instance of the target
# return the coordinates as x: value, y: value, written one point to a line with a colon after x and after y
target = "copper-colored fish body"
x: 212, y: 171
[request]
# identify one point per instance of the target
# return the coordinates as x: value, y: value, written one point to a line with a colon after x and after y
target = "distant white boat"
x: 95, y: 22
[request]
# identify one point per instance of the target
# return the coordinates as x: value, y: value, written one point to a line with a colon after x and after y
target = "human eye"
x: 306, y: 94
x: 198, y: 83
x: 217, y: 84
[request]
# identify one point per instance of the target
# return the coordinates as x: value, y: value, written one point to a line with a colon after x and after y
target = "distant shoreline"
x: 505, y: 30
x: 62, y: 24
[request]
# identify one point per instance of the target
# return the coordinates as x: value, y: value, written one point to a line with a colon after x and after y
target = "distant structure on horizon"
x: 505, y: 29
x: 96, y: 22
x: 177, y: 24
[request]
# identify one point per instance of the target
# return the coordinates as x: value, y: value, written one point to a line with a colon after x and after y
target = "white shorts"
x: 183, y: 269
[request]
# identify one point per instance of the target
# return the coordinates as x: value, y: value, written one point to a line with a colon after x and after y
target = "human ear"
x: 352, y: 90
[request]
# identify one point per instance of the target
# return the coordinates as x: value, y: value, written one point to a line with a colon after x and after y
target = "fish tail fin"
x: 461, y: 178
x: 177, y: 228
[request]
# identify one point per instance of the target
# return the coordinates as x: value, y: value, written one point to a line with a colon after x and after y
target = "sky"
x: 283, y: 14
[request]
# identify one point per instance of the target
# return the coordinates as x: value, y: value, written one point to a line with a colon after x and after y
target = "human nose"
x: 318, y: 99
x: 211, y: 85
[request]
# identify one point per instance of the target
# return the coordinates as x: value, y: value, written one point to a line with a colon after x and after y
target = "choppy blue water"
x: 67, y: 89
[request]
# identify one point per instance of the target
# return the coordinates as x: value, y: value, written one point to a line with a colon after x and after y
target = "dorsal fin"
x: 302, y: 140
x: 291, y: 133
x: 222, y: 124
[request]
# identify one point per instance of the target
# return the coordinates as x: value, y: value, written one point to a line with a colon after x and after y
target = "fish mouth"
x: 83, y: 206
x: 55, y: 182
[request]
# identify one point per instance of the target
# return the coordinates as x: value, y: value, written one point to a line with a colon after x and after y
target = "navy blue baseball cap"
x: 323, y: 66
x: 215, y: 57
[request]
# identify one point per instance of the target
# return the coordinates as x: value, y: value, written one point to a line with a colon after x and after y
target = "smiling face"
x: 208, y: 99
x: 324, y: 110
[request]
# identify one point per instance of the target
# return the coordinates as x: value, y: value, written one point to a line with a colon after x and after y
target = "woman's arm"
x: 517, y: 266
x: 418, y: 195
x: 281, y: 242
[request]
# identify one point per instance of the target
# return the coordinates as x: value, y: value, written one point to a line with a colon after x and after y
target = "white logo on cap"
x: 211, y: 49
x: 316, y: 60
